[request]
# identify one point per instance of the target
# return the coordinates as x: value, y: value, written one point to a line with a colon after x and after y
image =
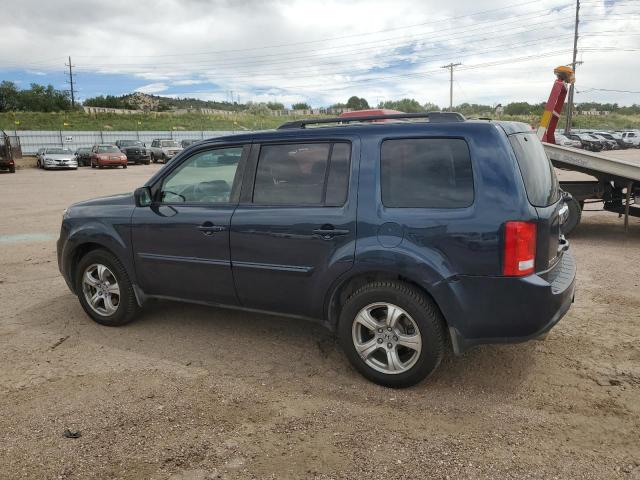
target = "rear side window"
x: 303, y: 174
x: 426, y: 173
x: 537, y: 171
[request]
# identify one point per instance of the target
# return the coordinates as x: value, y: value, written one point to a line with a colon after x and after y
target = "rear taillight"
x: 519, y: 248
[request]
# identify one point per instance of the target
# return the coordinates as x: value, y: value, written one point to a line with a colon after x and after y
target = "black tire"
x: 147, y: 162
x: 423, y: 311
x: 127, y: 307
x: 124, y: 166
x: 575, y: 215
x: 153, y: 158
x: 12, y: 169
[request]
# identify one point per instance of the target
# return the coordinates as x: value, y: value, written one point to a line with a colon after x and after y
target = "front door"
x: 294, y: 231
x: 181, y: 242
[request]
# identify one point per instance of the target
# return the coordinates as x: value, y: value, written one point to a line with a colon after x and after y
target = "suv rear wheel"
x: 392, y: 333
x: 104, y: 289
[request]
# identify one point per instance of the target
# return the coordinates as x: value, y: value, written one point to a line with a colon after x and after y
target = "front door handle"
x: 327, y: 233
x: 209, y: 228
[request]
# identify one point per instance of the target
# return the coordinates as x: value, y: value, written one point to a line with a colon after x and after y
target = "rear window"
x: 537, y: 171
x: 426, y: 173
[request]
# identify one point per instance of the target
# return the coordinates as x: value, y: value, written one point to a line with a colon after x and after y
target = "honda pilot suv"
x: 406, y: 236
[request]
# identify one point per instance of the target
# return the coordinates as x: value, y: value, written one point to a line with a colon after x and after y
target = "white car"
x: 567, y: 142
x: 57, y: 157
x: 632, y: 138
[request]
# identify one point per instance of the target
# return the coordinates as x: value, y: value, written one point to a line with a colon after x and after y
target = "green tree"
x: 357, y: 103
x: 431, y: 107
x: 406, y: 105
x: 301, y: 106
x: 275, y: 106
x: 8, y: 96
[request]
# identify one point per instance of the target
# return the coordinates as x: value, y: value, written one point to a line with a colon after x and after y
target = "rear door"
x: 544, y: 194
x: 181, y: 242
x: 294, y: 231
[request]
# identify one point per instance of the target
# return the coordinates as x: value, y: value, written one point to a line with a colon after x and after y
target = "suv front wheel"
x: 104, y: 289
x: 392, y: 333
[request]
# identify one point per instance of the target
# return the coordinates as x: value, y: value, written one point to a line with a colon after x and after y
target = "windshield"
x: 168, y: 143
x: 537, y: 172
x: 130, y: 143
x: 59, y: 151
x: 108, y: 149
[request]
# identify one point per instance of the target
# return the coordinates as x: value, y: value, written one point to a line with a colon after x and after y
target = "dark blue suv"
x: 403, y: 233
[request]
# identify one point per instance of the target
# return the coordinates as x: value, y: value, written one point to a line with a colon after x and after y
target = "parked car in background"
x: 587, y: 142
x: 135, y: 150
x: 607, y: 144
x: 615, y: 137
x: 57, y: 157
x: 164, y: 150
x: 39, y: 157
x: 186, y: 143
x: 7, y: 161
x: 567, y: 142
x: 83, y: 156
x: 406, y: 238
x: 632, y: 137
x: 107, y: 156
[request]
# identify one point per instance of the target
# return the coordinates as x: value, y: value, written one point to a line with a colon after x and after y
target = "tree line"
x: 40, y: 98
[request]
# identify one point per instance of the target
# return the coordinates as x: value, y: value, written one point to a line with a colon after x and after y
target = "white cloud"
x: 153, y: 88
x: 378, y: 49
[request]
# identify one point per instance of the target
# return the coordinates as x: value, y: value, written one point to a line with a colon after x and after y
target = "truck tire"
x: 575, y: 215
x: 392, y: 333
x: 12, y: 169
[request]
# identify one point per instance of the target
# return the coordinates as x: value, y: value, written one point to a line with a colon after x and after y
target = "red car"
x: 107, y: 156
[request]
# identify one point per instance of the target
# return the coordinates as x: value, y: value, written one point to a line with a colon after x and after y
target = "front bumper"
x: 111, y: 163
x: 52, y: 165
x: 508, y: 309
x: 139, y: 158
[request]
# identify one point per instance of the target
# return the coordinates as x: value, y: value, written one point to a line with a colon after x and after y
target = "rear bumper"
x: 511, y: 310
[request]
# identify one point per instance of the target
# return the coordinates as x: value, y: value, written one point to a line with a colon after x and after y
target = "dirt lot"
x: 188, y: 392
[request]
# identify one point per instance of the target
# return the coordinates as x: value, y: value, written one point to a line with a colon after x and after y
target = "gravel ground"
x: 188, y: 392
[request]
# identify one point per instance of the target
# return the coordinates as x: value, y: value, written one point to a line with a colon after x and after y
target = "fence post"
x: 101, y: 137
x: 61, y: 143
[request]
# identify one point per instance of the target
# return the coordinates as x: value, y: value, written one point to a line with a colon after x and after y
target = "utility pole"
x: 73, y: 93
x: 450, y: 67
x: 567, y: 127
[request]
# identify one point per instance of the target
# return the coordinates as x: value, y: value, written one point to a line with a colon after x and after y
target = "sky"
x: 323, y: 52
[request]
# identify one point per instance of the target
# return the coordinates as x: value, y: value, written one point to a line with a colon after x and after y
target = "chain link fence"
x: 32, y: 140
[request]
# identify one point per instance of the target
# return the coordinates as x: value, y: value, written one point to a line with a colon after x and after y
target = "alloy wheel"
x: 101, y: 290
x: 386, y: 338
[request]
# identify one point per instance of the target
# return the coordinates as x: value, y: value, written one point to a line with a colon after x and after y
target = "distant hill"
x: 157, y: 103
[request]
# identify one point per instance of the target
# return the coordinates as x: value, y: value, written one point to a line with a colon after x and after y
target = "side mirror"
x: 142, y: 196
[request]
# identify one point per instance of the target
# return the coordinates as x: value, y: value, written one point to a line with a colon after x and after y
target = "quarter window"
x: 426, y: 173
x: 206, y: 177
x: 302, y: 174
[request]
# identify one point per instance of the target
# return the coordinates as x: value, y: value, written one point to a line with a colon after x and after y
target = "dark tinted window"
x: 296, y: 174
x: 338, y: 179
x: 426, y: 173
x: 537, y: 172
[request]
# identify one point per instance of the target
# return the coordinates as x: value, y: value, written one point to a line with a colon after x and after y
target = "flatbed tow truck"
x: 617, y: 182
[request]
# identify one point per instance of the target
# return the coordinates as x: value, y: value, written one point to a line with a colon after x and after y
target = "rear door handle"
x: 328, y: 233
x: 209, y: 228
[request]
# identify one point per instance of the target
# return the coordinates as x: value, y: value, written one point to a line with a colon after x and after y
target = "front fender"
x: 75, y: 236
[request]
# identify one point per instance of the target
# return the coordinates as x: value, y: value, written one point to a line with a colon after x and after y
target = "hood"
x: 60, y: 156
x: 119, y: 199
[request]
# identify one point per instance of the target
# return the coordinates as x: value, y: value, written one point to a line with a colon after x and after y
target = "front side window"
x: 426, y: 173
x: 303, y: 174
x: 206, y: 177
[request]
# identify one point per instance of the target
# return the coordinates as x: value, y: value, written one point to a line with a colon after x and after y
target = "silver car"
x: 57, y: 157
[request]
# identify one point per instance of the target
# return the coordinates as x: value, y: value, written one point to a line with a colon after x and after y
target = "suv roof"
x: 370, y: 124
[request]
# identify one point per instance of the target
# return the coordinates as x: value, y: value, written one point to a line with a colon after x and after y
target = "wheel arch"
x: 344, y: 287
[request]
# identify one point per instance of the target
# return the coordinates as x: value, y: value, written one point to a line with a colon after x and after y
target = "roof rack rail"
x: 431, y: 116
